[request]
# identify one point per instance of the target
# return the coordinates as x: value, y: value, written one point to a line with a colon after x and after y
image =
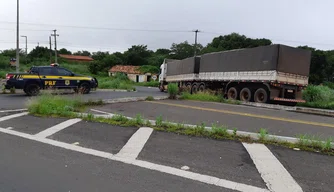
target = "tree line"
x: 321, y: 70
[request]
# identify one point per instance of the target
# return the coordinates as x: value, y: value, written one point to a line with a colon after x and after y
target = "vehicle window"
x: 46, y: 71
x: 63, y: 72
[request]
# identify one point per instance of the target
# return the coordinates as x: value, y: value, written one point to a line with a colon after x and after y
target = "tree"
x: 64, y: 51
x: 162, y: 51
x: 11, y: 53
x: 138, y: 55
x: 39, y: 52
x: 234, y: 41
x: 83, y: 53
x: 104, y: 65
x: 184, y: 50
x: 99, y: 55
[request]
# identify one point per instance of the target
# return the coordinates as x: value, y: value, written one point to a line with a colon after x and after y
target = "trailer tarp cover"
x: 273, y: 57
x: 293, y: 60
x: 185, y: 66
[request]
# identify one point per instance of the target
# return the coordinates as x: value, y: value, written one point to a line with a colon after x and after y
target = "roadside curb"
x: 131, y: 99
x: 306, y: 110
x: 254, y: 136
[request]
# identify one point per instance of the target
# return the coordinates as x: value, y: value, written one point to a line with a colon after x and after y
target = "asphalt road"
x: 19, y: 100
x: 29, y: 166
x: 37, y: 165
x: 244, y: 118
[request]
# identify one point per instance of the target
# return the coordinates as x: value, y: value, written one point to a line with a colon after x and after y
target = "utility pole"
x: 55, y: 36
x: 17, y: 37
x: 196, y: 31
x: 50, y: 49
x: 26, y: 46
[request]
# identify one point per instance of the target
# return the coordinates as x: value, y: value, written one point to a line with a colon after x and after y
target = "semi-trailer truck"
x: 261, y: 74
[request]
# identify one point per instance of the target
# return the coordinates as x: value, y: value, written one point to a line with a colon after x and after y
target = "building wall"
x: 133, y: 77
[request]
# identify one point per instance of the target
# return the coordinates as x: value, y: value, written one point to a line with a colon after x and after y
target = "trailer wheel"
x: 232, y: 93
x: 245, y: 94
x: 261, y: 96
x: 194, y: 88
x: 188, y: 87
x: 201, y: 87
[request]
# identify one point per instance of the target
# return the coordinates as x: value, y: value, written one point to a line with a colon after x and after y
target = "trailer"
x: 261, y: 74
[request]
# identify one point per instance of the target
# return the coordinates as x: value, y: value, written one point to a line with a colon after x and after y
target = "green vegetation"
x: 149, y: 98
x: 207, y: 96
x: 318, y: 97
x: 173, y: 90
x: 49, y: 105
x: 148, y: 84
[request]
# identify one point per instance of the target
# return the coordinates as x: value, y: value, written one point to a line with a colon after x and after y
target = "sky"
x: 116, y: 25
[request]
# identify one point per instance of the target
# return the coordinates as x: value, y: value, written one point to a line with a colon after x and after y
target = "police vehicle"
x: 50, y: 77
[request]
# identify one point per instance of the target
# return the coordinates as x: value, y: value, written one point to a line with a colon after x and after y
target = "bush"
x: 318, y: 97
x: 119, y: 81
x: 172, y: 90
x: 48, y: 105
x: 318, y: 94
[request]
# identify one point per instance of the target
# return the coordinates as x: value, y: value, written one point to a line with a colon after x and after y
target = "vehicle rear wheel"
x: 245, y: 94
x: 201, y: 88
x: 32, y: 89
x: 232, y: 93
x: 188, y: 87
x: 194, y: 88
x: 161, y: 87
x: 84, y: 88
x: 261, y: 96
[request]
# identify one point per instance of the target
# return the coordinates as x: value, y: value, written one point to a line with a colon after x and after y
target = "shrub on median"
x: 172, y: 90
x: 49, y: 105
x: 318, y: 97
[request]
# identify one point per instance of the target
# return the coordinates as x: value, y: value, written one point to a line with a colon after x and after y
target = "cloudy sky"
x: 115, y: 25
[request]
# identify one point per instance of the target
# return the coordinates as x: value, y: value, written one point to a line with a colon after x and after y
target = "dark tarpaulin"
x: 273, y: 57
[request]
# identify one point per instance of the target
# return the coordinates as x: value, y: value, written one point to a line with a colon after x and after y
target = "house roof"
x: 76, y: 57
x: 126, y: 69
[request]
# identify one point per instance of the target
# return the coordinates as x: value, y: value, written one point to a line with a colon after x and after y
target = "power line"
x: 104, y: 28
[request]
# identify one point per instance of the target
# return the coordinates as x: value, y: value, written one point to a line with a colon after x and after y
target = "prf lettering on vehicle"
x: 51, y: 83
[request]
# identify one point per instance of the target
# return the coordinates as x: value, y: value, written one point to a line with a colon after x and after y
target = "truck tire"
x: 232, y: 93
x: 261, y: 96
x: 84, y: 88
x: 245, y: 95
x: 161, y: 87
x: 188, y: 87
x: 194, y: 88
x: 32, y: 89
x: 201, y: 87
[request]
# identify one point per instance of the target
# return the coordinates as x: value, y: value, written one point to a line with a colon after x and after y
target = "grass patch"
x: 49, y: 105
x: 148, y: 84
x: 149, y: 98
x: 318, y: 97
x: 172, y: 90
x: 207, y: 96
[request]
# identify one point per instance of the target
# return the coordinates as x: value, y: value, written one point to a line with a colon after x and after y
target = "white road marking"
x: 103, y: 112
x: 277, y: 178
x: 56, y: 128
x: 13, y: 110
x: 135, y: 144
x: 13, y: 116
x: 144, y: 164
